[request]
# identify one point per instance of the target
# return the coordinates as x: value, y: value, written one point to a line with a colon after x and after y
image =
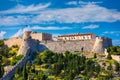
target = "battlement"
x: 37, y: 36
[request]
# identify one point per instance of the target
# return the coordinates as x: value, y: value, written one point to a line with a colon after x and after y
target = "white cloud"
x: 18, y: 33
x: 116, y: 42
x: 91, y: 27
x: 21, y: 31
x: 14, y: 20
x: 26, y: 9
x: 87, y: 13
x: 50, y: 28
x: 115, y: 33
x: 2, y: 33
x: 112, y: 32
x: 72, y: 3
x: 81, y: 3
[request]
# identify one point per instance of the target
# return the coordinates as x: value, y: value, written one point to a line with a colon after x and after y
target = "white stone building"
x: 78, y: 36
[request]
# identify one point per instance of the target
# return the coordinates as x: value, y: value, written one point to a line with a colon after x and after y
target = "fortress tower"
x: 26, y: 35
x: 28, y: 43
x: 98, y: 45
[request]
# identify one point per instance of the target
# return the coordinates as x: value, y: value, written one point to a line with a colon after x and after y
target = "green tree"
x: 85, y: 78
x: 110, y: 67
x: 42, y: 76
x: 109, y: 56
x: 57, y: 68
x: 46, y: 56
x: 1, y: 43
x: 95, y: 56
x: 1, y: 67
x: 25, y: 74
x: 0, y: 58
x: 1, y: 70
x: 97, y: 69
x: 17, y: 70
x: 117, y: 66
x: 33, y: 68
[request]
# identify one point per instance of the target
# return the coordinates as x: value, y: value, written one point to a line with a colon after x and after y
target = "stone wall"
x: 116, y: 57
x: 29, y: 43
x: 41, y: 36
x: 100, y: 44
x: 96, y: 45
x: 13, y: 41
x: 20, y: 64
x: 61, y: 46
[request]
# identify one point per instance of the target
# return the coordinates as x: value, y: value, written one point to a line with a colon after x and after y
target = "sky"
x: 58, y: 17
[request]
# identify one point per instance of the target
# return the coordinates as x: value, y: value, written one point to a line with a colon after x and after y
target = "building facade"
x: 78, y: 36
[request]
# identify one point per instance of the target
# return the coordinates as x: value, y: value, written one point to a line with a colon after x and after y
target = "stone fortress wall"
x: 96, y: 45
x: 62, y: 46
x: 36, y: 36
x: 40, y: 36
x: 13, y: 41
x: 20, y: 64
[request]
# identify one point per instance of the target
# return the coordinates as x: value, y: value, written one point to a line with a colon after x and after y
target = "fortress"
x: 72, y: 42
x: 36, y: 42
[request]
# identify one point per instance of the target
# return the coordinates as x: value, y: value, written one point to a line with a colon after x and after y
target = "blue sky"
x: 58, y: 17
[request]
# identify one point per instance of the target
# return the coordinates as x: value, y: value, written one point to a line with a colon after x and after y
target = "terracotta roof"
x: 76, y: 35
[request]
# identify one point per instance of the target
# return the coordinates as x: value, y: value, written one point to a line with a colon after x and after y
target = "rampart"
x: 13, y: 41
x: 61, y: 46
x: 11, y: 72
x: 96, y: 45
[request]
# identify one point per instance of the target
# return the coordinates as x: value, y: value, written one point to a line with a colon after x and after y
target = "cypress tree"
x: 95, y: 56
x: 109, y: 56
x: 1, y: 68
x: 25, y: 74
